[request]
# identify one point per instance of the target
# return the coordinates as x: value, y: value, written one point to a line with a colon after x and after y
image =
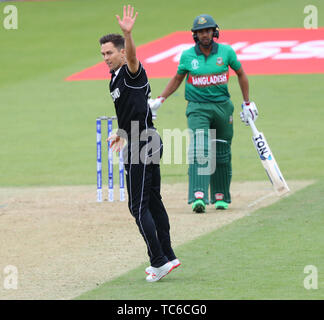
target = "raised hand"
x: 128, y: 21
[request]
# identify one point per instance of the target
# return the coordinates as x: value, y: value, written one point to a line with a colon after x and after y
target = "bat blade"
x: 269, y: 162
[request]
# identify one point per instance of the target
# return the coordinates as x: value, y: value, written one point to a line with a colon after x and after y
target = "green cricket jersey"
x: 207, y: 78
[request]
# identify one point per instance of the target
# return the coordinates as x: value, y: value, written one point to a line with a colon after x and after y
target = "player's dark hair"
x: 116, y: 39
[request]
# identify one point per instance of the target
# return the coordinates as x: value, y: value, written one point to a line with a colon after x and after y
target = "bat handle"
x: 253, y: 127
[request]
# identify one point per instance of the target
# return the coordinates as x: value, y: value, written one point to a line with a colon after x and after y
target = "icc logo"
x: 194, y: 64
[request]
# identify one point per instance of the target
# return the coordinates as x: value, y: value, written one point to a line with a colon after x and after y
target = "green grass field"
x: 47, y: 137
x: 262, y: 256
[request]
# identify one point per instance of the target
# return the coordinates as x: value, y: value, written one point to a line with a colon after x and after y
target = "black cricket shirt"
x: 130, y: 92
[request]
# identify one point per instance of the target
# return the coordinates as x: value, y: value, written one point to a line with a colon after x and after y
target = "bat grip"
x: 253, y: 127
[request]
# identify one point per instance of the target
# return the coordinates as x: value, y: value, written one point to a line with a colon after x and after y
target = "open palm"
x: 128, y: 19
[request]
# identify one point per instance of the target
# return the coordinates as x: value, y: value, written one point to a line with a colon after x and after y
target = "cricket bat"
x: 268, y: 161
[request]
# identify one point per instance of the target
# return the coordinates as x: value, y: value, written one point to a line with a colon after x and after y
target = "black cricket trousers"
x: 143, y: 181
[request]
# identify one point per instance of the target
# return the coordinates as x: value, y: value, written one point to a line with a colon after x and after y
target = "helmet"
x: 205, y: 21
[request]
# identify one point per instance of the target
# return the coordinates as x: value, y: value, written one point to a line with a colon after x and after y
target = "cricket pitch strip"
x: 64, y: 243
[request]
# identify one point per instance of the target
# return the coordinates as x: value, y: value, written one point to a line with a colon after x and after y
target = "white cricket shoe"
x: 159, y: 273
x: 176, y: 263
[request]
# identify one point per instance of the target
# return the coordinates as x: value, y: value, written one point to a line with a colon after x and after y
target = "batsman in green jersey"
x: 206, y: 69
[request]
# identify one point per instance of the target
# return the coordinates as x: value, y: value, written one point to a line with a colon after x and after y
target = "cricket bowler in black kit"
x: 130, y: 90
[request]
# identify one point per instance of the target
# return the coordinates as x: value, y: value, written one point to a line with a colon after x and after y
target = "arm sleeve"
x: 232, y: 61
x: 131, y: 75
x: 182, y: 69
x: 137, y: 79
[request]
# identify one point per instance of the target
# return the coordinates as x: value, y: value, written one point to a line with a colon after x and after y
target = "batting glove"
x: 250, y: 111
x: 155, y: 104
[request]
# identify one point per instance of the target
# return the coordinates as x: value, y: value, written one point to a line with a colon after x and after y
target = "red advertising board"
x: 262, y: 51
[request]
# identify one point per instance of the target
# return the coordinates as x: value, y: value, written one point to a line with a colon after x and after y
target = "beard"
x: 206, y: 46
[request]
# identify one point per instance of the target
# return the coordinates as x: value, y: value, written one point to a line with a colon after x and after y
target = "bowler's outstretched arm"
x: 126, y: 24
